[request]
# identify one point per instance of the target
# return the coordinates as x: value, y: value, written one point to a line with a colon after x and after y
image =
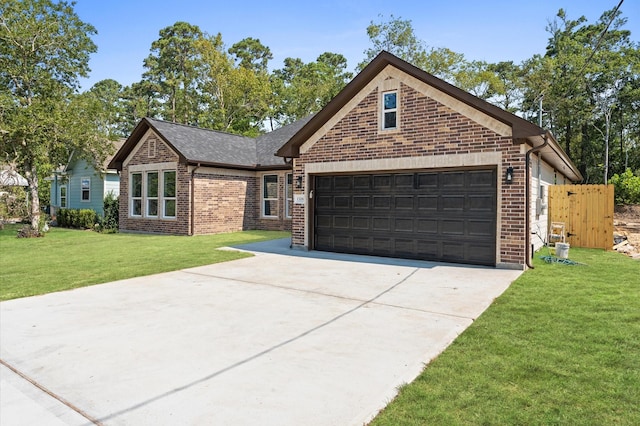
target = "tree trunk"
x: 32, y: 180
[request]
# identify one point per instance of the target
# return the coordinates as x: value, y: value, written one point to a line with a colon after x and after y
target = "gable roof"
x: 195, y: 145
x: 521, y: 129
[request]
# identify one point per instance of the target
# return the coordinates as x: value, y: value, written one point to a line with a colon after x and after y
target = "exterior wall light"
x: 298, y: 182
x: 508, y: 178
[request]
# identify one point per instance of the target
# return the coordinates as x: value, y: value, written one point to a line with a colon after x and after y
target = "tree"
x: 110, y: 117
x: 251, y: 54
x: 44, y: 49
x: 302, y: 89
x: 234, y: 99
x: 398, y: 37
x: 173, y: 67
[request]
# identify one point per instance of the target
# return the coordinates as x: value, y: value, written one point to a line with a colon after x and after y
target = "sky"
x: 489, y: 30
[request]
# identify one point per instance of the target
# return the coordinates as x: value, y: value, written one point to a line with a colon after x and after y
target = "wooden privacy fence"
x: 587, y: 212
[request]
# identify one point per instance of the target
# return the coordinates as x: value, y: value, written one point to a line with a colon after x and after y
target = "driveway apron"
x: 281, y: 338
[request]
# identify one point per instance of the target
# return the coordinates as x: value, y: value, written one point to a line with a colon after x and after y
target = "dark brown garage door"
x: 431, y: 215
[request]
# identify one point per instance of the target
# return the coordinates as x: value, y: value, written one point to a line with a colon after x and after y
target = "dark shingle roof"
x: 207, y: 146
x: 210, y: 147
x: 268, y: 144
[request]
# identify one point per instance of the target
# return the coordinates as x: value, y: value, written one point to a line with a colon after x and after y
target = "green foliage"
x: 44, y: 49
x: 29, y: 232
x: 13, y: 203
x: 627, y: 187
x: 110, y: 220
x: 77, y: 218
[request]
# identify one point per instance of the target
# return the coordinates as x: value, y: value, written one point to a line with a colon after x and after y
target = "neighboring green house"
x: 80, y: 185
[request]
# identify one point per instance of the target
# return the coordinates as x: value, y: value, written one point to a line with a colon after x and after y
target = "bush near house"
x: 627, y: 187
x: 110, y: 220
x: 77, y: 218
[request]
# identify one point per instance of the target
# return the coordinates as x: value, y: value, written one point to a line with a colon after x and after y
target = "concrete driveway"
x: 281, y: 338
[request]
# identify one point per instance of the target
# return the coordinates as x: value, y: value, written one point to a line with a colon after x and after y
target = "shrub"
x: 111, y: 207
x: 77, y: 218
x: 627, y: 188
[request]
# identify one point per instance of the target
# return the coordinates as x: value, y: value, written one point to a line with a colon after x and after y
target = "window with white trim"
x: 85, y: 189
x: 389, y: 110
x: 288, y: 196
x: 152, y: 194
x: 270, y: 196
x: 136, y: 194
x: 169, y: 193
x: 63, y: 196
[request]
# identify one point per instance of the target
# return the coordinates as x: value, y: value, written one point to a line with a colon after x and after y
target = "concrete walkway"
x: 282, y: 338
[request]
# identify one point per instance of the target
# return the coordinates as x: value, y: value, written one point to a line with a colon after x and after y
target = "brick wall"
x: 162, y: 154
x: 426, y: 128
x: 223, y: 202
x: 281, y: 223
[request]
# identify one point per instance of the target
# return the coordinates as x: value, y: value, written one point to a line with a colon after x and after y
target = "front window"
x: 136, y: 194
x: 169, y: 194
x: 152, y: 194
x: 389, y: 110
x: 85, y: 187
x: 63, y: 196
x: 288, y: 195
x: 270, y: 196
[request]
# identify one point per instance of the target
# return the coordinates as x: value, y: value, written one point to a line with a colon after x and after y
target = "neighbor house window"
x: 63, y: 196
x: 270, y: 196
x: 169, y: 194
x: 136, y: 194
x: 389, y: 110
x: 288, y: 195
x: 152, y: 194
x: 85, y: 188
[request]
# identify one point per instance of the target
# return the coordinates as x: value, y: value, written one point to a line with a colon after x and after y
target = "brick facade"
x: 426, y: 128
x: 224, y: 200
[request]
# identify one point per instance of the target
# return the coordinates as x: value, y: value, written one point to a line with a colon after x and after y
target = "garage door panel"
x: 382, y: 202
x: 404, y: 225
x: 361, y: 201
x: 431, y: 215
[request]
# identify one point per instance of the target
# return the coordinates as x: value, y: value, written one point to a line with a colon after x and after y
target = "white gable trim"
x: 381, y: 83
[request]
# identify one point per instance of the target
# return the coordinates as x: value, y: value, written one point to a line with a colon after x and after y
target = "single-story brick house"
x: 403, y: 164
x: 184, y: 180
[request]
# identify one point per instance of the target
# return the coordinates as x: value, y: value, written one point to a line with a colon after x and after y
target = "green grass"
x: 560, y: 346
x: 66, y: 259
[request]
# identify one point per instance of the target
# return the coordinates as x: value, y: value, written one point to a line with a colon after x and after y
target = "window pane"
x: 389, y: 101
x: 170, y: 184
x: 85, y: 195
x: 270, y: 186
x: 136, y: 185
x: 289, y: 184
x: 86, y: 183
x: 152, y: 184
x: 137, y: 208
x: 63, y: 191
x: 389, y: 120
x: 270, y: 208
x: 152, y: 207
x: 170, y: 208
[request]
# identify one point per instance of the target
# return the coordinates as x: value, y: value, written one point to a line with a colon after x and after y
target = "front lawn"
x: 560, y: 346
x: 66, y: 258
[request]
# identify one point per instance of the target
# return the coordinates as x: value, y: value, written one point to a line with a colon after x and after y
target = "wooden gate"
x: 587, y: 212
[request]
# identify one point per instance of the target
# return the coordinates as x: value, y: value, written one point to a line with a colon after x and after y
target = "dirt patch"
x: 626, y: 230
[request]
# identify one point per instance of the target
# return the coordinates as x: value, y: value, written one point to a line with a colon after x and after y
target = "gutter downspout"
x: 193, y: 201
x: 528, y: 249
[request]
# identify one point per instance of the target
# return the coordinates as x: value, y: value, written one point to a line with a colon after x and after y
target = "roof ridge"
x: 191, y: 126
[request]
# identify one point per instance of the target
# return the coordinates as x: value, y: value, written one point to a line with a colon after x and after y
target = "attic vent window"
x: 389, y: 110
x: 151, y: 145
